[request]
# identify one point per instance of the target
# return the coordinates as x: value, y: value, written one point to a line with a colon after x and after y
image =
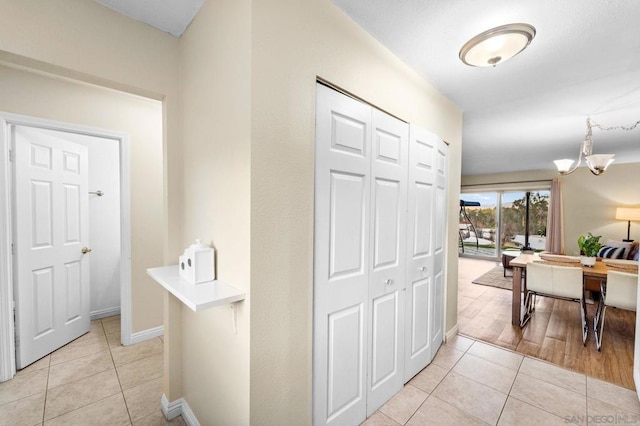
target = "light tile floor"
x: 473, y: 383
x: 96, y: 381
x: 91, y: 381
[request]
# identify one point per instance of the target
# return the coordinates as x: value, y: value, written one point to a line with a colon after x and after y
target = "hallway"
x: 92, y: 380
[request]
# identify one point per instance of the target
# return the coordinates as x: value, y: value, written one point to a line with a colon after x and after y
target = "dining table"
x: 519, y: 264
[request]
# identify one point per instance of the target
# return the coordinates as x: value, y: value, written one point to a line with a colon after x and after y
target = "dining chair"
x: 560, y: 282
x: 619, y: 291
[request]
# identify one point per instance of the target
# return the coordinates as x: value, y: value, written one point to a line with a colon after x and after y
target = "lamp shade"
x: 564, y: 165
x: 628, y: 213
x: 497, y: 45
x: 599, y: 162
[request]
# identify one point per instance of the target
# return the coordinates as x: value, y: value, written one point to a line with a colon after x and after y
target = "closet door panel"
x: 440, y: 217
x: 341, y: 258
x: 418, y: 328
x: 347, y: 210
x: 421, y: 211
x: 420, y: 249
x: 388, y: 251
x: 345, y: 357
x: 387, y: 194
x: 384, y: 361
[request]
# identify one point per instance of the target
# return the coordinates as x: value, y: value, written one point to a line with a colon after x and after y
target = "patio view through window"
x: 491, y: 222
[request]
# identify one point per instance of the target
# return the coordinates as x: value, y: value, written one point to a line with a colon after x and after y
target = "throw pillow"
x: 609, y: 252
x: 626, y: 246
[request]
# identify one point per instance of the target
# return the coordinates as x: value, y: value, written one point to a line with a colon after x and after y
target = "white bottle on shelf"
x: 197, y: 263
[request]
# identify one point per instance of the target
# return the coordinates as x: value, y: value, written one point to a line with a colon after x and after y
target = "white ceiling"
x: 524, y: 113
x: 171, y: 16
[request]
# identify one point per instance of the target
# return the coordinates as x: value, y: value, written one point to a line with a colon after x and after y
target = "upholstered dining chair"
x: 560, y: 282
x: 619, y: 291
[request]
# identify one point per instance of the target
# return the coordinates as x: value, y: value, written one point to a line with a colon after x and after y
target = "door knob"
x: 388, y: 282
x: 423, y: 269
x: 86, y: 250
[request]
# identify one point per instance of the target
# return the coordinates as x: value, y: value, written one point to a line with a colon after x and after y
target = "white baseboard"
x: 104, y: 313
x: 451, y: 333
x: 143, y: 335
x: 178, y: 407
x: 188, y: 416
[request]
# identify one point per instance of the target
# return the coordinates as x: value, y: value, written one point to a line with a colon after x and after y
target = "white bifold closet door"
x: 439, y: 255
x: 387, y: 280
x: 426, y: 220
x: 341, y: 258
x: 420, y: 248
x: 359, y: 277
x: 378, y: 271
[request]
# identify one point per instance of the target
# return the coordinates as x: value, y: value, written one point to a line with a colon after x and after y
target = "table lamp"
x: 628, y: 214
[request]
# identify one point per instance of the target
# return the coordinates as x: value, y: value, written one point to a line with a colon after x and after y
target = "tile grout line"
x: 537, y: 378
x: 511, y: 388
x: 464, y: 352
x: 64, y: 384
x: 429, y: 394
x: 46, y: 390
x: 117, y: 374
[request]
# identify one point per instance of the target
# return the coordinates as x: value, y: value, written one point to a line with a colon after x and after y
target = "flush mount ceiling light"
x: 497, y: 45
x: 597, y: 163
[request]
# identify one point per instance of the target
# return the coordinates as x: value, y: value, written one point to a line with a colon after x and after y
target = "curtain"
x: 555, y: 231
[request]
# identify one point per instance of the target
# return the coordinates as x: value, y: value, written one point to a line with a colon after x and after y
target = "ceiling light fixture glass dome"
x: 496, y: 45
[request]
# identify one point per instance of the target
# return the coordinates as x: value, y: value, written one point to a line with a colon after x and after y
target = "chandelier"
x: 597, y: 163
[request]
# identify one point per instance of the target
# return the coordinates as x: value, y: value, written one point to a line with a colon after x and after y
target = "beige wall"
x: 292, y: 43
x: 41, y: 96
x: 589, y: 201
x: 215, y: 80
x: 247, y: 73
x: 273, y: 90
x: 85, y: 41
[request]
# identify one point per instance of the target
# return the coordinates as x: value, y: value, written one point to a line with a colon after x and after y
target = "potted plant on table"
x: 589, y: 246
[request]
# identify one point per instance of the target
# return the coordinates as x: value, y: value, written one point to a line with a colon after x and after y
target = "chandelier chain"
x: 606, y: 129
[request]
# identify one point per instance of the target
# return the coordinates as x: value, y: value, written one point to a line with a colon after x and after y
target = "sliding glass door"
x: 500, y: 221
x: 514, y: 220
x: 478, y: 219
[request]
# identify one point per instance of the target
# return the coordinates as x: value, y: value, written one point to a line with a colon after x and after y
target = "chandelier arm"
x: 586, y: 148
x: 576, y: 166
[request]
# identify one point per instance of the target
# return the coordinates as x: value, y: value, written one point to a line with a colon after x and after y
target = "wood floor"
x: 553, y: 333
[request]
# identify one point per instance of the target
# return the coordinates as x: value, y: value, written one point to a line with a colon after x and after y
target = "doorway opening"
x: 109, y: 158
x: 93, y: 103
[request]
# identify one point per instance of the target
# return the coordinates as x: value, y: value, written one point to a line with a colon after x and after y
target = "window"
x: 493, y: 221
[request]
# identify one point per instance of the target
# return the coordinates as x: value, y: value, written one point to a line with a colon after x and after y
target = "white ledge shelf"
x: 196, y: 296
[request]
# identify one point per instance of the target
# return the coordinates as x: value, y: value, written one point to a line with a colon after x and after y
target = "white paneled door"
x: 387, y: 253
x: 420, y: 231
x: 439, y: 257
x: 341, y: 260
x: 51, y: 268
x: 375, y: 292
